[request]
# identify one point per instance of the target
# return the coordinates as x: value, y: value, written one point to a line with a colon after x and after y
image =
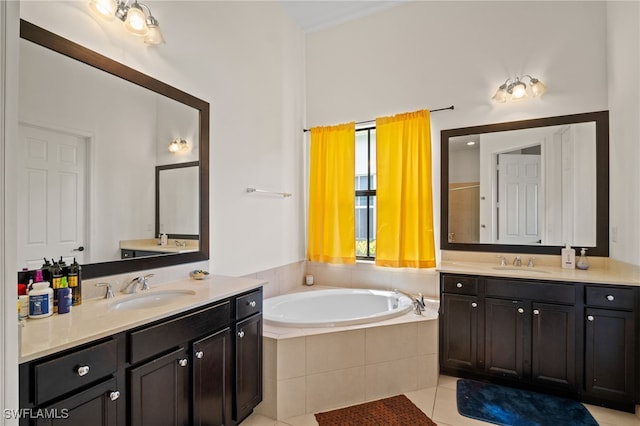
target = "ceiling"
x: 315, y: 15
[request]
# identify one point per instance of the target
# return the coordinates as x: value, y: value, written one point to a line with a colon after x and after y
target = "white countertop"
x: 601, y: 270
x: 94, y: 319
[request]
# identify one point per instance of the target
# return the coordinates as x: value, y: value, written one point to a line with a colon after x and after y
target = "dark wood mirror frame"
x: 601, y: 118
x: 49, y: 40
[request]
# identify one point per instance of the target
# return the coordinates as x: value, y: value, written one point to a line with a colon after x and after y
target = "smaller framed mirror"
x: 177, y: 200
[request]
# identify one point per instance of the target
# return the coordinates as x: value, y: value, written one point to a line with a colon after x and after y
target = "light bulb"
x: 518, y: 91
x: 154, y: 36
x: 537, y: 87
x: 500, y: 95
x: 136, y: 22
x: 106, y: 9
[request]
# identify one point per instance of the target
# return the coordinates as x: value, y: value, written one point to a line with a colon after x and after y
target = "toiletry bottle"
x: 46, y: 271
x: 583, y: 263
x: 163, y: 239
x: 75, y: 282
x: 40, y: 300
x: 23, y: 298
x: 56, y: 279
x: 568, y: 257
x: 64, y: 297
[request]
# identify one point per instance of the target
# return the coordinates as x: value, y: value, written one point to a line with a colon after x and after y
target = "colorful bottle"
x: 56, y: 280
x: 75, y: 282
x: 64, y: 297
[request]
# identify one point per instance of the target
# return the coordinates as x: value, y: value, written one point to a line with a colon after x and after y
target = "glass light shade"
x: 136, y: 22
x: 500, y: 95
x: 519, y: 91
x: 178, y: 145
x: 537, y: 87
x: 106, y: 9
x: 154, y: 36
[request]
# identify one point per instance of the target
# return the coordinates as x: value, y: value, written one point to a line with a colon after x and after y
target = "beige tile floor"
x: 439, y: 404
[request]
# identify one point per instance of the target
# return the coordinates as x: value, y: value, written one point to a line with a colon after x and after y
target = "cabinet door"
x: 507, y: 342
x: 160, y: 391
x: 212, y: 385
x: 553, y: 345
x: 609, y: 357
x: 96, y: 406
x: 459, y: 338
x: 248, y: 389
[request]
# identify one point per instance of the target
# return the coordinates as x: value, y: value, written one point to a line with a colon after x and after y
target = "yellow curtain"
x: 332, y: 233
x: 404, y: 234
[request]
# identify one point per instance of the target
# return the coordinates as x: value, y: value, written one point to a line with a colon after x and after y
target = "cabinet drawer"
x: 460, y: 284
x: 249, y: 304
x: 68, y: 372
x: 153, y: 340
x: 610, y: 297
x: 538, y: 291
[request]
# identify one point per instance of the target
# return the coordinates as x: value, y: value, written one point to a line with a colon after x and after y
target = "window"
x: 365, y: 193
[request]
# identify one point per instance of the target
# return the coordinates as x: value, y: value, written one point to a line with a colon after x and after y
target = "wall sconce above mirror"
x: 133, y: 17
x: 178, y: 145
x: 516, y: 89
x: 527, y: 186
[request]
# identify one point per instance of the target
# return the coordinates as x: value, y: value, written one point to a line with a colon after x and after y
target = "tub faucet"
x: 517, y: 261
x: 133, y: 284
x: 418, y: 301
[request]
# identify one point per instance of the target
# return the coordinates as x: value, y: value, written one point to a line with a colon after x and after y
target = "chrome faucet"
x: 418, y: 301
x: 517, y: 261
x: 131, y: 286
x: 109, y: 294
x: 503, y: 260
x: 531, y: 264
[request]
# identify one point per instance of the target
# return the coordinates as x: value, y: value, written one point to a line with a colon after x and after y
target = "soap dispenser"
x: 583, y: 263
x: 568, y: 257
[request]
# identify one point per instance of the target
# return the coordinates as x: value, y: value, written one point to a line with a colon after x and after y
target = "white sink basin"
x: 524, y: 269
x: 152, y: 299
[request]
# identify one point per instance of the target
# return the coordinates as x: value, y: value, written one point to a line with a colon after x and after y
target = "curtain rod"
x: 371, y: 121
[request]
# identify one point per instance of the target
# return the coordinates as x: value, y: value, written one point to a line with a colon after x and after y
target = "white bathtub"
x: 334, y: 307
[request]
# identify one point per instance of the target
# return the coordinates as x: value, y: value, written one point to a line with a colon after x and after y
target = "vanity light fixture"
x: 132, y: 14
x: 178, y: 145
x: 516, y: 89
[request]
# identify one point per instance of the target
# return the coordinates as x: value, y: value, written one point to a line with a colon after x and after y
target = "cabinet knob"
x: 610, y: 297
x: 114, y: 395
x: 199, y: 354
x: 590, y: 318
x: 241, y: 334
x: 474, y: 305
x: 83, y: 370
x: 252, y: 303
x: 521, y: 310
x: 183, y: 362
x: 459, y: 285
x: 536, y: 312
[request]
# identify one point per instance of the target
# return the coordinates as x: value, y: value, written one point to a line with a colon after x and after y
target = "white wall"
x: 246, y: 59
x: 623, y: 43
x: 434, y: 54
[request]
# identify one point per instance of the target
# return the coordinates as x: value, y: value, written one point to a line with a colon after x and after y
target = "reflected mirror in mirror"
x: 529, y: 186
x: 92, y: 132
x: 177, y: 200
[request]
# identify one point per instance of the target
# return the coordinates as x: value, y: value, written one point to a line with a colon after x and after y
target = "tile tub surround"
x: 310, y: 370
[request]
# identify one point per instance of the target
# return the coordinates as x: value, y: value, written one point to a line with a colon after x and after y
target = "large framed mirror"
x: 527, y: 186
x: 92, y: 132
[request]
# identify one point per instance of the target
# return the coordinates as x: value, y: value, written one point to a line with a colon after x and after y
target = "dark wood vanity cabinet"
x: 570, y: 338
x: 248, y: 354
x: 611, y: 327
x: 459, y: 316
x: 182, y: 370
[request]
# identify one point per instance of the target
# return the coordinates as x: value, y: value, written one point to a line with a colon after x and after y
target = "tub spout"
x: 418, y: 301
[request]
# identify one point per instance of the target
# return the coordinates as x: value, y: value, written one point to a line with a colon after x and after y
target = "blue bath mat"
x: 506, y: 406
